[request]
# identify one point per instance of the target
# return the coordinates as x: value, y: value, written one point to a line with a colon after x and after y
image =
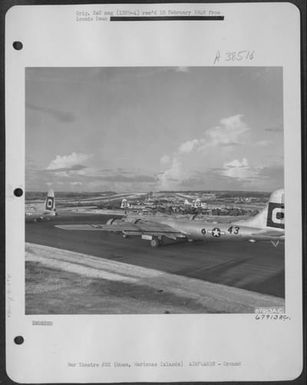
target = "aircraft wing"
x: 144, y: 229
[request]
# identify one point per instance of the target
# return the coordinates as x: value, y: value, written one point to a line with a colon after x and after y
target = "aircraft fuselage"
x: 214, y: 231
x: 38, y: 216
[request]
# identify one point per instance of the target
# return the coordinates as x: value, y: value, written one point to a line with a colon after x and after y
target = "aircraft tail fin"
x: 276, y: 210
x: 273, y: 215
x: 197, y: 203
x: 50, y: 202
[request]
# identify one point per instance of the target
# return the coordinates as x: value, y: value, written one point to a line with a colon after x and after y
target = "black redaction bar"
x: 164, y: 18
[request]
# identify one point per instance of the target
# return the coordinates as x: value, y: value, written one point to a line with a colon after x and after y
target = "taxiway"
x: 256, y: 266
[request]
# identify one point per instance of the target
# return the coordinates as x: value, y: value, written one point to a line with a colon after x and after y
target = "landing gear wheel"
x: 155, y: 242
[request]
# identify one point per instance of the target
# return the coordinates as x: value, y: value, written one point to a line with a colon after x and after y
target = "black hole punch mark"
x: 17, y: 45
x: 19, y: 340
x: 18, y: 192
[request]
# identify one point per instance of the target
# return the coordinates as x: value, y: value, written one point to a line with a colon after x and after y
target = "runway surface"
x: 253, y: 266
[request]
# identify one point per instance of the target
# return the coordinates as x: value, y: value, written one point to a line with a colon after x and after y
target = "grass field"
x: 65, y: 282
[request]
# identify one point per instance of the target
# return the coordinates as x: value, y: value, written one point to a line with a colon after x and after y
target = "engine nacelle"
x: 113, y: 221
x: 134, y: 221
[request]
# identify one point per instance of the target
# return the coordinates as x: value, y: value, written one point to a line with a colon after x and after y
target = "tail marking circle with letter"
x: 49, y: 203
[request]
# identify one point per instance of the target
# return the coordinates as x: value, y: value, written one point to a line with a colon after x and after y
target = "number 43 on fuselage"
x: 269, y: 224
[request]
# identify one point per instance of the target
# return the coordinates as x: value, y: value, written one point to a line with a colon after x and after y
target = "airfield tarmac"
x: 258, y: 267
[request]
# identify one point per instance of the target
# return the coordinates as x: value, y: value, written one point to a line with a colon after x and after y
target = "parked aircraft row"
x: 269, y: 224
x: 149, y: 205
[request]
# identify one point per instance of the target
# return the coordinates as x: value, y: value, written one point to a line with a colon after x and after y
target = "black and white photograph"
x: 153, y: 199
x: 154, y: 190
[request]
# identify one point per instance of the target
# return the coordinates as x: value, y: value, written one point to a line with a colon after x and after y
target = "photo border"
x: 5, y: 5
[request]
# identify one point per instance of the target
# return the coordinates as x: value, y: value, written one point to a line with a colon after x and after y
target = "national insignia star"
x: 216, y: 232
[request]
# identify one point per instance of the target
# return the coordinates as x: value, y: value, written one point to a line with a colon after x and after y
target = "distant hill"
x: 32, y: 195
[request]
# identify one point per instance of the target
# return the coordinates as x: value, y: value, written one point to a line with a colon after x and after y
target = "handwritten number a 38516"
x: 234, y: 56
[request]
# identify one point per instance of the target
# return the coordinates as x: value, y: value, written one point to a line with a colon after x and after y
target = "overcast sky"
x: 154, y: 128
